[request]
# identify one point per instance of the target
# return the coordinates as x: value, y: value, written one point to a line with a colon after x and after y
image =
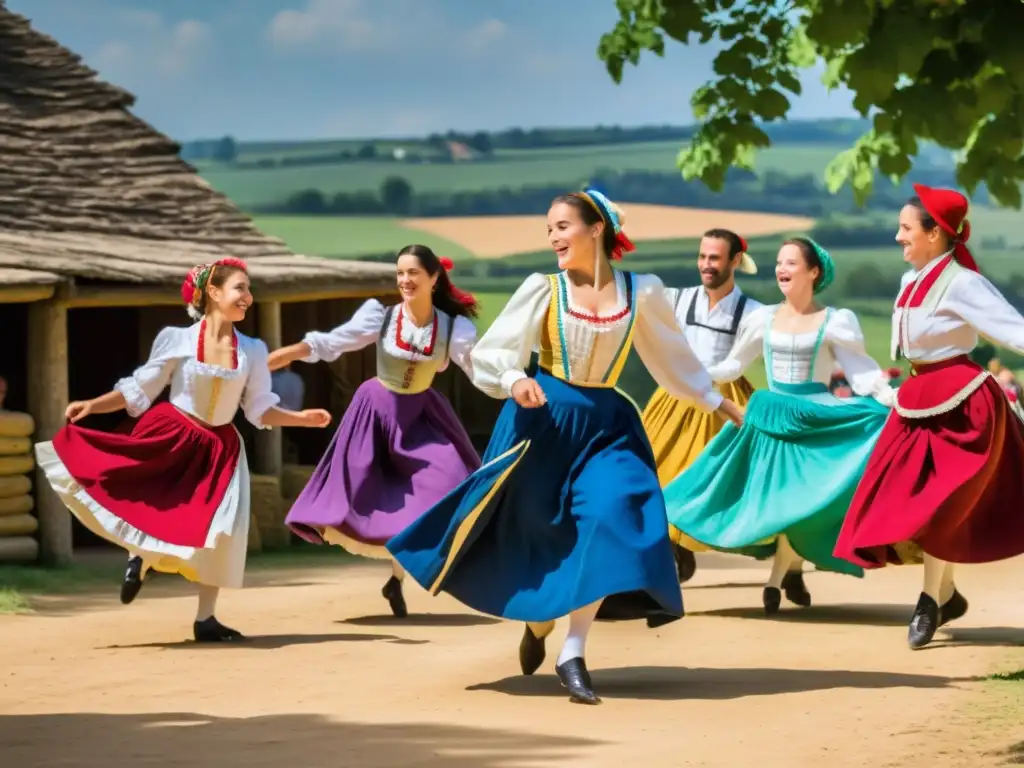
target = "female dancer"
x: 400, y: 447
x: 710, y: 316
x: 175, y: 491
x: 782, y: 483
x: 567, y: 510
x: 944, y: 483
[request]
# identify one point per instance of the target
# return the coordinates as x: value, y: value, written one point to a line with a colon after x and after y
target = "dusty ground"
x: 494, y: 237
x: 329, y: 681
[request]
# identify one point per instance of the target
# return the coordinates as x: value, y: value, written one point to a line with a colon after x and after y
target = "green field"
x: 509, y: 168
x: 352, y: 236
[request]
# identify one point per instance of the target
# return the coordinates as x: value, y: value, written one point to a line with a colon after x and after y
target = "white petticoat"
x: 220, y: 563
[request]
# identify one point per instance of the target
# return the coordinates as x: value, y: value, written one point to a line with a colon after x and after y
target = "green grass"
x: 352, y: 236
x: 510, y: 168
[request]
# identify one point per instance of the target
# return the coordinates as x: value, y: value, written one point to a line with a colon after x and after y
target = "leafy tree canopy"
x: 945, y: 71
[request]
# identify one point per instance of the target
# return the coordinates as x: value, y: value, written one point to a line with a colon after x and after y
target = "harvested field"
x: 495, y: 237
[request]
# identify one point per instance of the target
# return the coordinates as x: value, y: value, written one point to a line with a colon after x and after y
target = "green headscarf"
x: 828, y: 267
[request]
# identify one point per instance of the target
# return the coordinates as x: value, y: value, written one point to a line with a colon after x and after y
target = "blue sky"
x: 305, y: 69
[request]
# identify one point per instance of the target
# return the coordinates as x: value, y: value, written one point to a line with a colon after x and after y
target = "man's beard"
x: 717, y: 279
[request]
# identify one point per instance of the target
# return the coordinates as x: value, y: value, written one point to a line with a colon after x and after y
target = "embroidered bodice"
x: 942, y: 309
x: 803, y: 358
x: 408, y: 357
x: 589, y: 349
x: 208, y: 392
x: 711, y: 331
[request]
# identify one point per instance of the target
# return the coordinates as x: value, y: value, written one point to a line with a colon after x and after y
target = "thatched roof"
x: 88, y: 190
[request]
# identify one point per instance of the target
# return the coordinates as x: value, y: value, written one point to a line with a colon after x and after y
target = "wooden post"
x: 47, y: 401
x: 268, y: 443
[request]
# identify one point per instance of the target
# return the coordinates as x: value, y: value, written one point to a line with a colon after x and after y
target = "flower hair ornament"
x: 612, y: 215
x: 462, y: 297
x: 194, y: 286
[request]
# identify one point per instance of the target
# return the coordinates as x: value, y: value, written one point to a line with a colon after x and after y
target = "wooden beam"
x: 268, y: 443
x: 47, y: 400
x: 25, y: 294
x: 131, y: 296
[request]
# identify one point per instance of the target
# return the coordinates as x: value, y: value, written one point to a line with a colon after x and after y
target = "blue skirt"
x: 565, y: 511
x: 791, y: 469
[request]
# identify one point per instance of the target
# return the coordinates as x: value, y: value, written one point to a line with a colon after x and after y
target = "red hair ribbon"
x: 195, y: 281
x: 622, y: 243
x: 743, y: 244
x: 465, y: 299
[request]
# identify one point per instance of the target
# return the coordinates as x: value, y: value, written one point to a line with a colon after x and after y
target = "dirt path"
x: 329, y: 681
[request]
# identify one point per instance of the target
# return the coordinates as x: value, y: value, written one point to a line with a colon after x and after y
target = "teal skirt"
x: 791, y: 469
x: 565, y: 511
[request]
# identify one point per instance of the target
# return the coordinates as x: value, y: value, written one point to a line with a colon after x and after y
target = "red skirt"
x: 166, y: 478
x: 950, y: 485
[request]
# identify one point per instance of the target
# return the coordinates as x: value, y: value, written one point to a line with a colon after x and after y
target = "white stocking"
x: 785, y: 560
x: 934, y: 570
x: 207, y: 602
x: 579, y: 626
x: 397, y: 570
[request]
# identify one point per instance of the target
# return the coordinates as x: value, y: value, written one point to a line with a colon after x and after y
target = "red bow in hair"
x: 622, y: 243
x: 743, y: 244
x: 465, y: 299
x: 949, y: 209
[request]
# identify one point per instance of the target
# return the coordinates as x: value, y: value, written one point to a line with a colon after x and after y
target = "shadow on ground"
x: 423, y: 620
x: 176, y: 740
x: 272, y: 642
x: 866, y: 614
x: 679, y: 683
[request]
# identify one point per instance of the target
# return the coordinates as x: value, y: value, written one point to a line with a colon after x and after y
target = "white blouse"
x: 710, y: 346
x: 502, y: 354
x: 364, y: 328
x: 842, y: 344
x: 950, y: 326
x: 208, y: 392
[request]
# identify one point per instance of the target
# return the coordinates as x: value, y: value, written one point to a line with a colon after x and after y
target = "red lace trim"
x: 406, y: 346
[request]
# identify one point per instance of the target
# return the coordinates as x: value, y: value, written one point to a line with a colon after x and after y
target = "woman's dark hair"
x: 730, y: 237
x: 591, y: 217
x: 446, y: 295
x: 928, y: 222
x: 810, y: 255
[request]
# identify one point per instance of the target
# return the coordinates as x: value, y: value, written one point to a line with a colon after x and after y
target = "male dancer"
x: 710, y: 315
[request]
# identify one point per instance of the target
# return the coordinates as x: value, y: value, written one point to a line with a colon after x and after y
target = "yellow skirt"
x: 679, y: 431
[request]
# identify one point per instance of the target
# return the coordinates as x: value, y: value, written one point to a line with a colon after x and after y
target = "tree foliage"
x: 944, y: 71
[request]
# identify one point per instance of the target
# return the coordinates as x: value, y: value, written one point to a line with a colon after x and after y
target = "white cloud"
x: 484, y: 36
x: 340, y: 22
x: 154, y: 49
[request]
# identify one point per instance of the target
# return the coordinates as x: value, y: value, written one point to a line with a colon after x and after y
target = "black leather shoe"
x: 132, y: 580
x: 392, y: 592
x: 924, y: 622
x: 954, y: 608
x: 532, y: 651
x: 574, y: 677
x: 686, y: 563
x: 795, y: 589
x: 772, y: 599
x: 212, y: 631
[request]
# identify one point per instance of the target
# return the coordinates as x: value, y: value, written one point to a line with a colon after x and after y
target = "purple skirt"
x: 392, y: 458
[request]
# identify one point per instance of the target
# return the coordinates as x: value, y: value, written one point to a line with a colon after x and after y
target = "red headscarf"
x: 949, y: 209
